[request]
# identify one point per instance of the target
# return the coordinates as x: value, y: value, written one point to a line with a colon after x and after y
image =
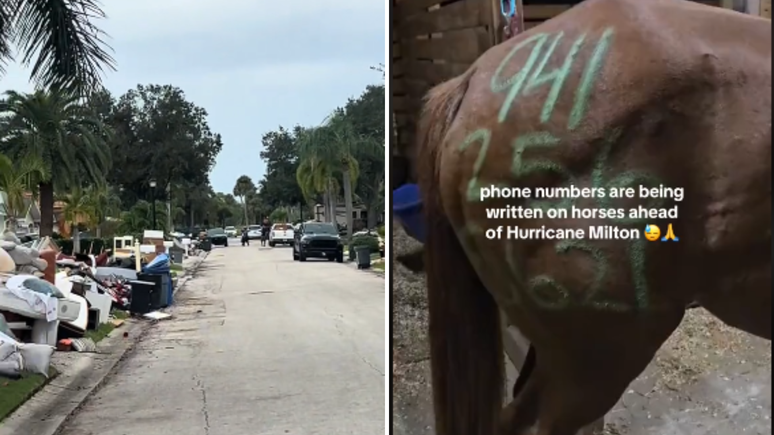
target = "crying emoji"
x: 652, y: 232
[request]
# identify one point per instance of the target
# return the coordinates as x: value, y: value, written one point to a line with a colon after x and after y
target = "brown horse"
x: 609, y: 95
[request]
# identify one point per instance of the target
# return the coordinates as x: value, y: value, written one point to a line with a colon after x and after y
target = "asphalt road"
x: 258, y: 345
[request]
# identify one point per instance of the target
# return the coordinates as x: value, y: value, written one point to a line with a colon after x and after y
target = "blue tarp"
x: 160, y: 266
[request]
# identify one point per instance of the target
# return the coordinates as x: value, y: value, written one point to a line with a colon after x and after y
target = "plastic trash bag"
x: 36, y: 358
x: 10, y: 358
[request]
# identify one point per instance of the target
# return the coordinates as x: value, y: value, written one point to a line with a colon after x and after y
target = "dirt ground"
x: 707, y: 379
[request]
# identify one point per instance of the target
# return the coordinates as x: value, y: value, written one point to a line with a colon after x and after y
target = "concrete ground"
x: 258, y: 345
x: 707, y: 379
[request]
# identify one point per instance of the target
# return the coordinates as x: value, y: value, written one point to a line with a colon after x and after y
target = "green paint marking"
x: 557, y: 76
x: 540, y: 139
x: 548, y: 293
x: 516, y: 82
x: 590, y: 74
x: 484, y: 136
x: 520, y: 168
x: 637, y: 261
x: 602, y: 268
x: 517, y: 79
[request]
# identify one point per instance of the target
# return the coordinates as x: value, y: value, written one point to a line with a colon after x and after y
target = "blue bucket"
x: 407, y: 206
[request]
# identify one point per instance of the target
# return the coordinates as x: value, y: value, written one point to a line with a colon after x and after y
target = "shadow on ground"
x: 707, y: 379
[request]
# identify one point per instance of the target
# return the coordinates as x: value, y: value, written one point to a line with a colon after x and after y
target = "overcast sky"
x: 252, y: 64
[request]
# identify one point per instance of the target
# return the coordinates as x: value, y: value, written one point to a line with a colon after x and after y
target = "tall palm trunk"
x: 347, y: 185
x: 331, y: 205
x: 46, y: 209
x: 371, y: 214
x: 247, y: 218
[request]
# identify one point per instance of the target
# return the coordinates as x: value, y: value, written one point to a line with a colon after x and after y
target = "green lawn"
x: 13, y: 393
x: 378, y: 266
x: 106, y: 328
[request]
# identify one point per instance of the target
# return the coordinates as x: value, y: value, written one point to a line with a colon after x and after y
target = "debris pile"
x: 23, y: 259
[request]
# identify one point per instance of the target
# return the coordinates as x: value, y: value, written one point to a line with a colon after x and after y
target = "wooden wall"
x: 433, y: 42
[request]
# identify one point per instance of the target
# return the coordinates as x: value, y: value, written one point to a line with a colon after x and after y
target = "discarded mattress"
x: 39, y: 306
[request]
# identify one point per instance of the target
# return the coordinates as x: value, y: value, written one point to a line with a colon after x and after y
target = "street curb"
x: 48, y: 410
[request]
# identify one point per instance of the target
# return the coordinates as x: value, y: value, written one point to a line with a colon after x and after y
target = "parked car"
x: 254, y: 232
x: 281, y: 234
x: 231, y: 231
x: 318, y: 239
x: 218, y: 237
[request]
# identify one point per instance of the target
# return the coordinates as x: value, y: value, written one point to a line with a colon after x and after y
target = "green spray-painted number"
x: 548, y: 293
x: 529, y: 77
x: 484, y: 136
x: 521, y: 168
x: 636, y: 249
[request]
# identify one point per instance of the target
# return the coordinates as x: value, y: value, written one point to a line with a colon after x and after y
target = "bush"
x: 365, y: 240
x: 380, y: 231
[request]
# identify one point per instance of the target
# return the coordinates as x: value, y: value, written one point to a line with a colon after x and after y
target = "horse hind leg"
x: 579, y: 387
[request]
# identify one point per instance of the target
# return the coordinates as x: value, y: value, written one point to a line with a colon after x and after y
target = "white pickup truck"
x: 281, y: 234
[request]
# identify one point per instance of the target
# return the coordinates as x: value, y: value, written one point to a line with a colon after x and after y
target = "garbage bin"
x: 142, y: 295
x: 160, y: 266
x: 363, y: 254
x: 159, y: 296
x: 176, y: 256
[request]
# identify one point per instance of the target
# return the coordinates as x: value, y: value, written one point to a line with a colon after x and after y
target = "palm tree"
x: 105, y: 202
x: 140, y: 218
x: 334, y: 145
x: 243, y: 188
x: 16, y: 180
x: 61, y: 132
x: 78, y: 210
x: 60, y: 40
x: 316, y: 177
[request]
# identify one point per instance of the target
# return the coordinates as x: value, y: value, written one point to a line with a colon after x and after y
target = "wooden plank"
x: 543, y: 12
x: 405, y: 121
x: 532, y: 24
x: 416, y: 88
x: 459, y: 46
x: 407, y: 8
x: 396, y: 68
x: 455, y: 16
x: 405, y: 104
x: 432, y: 72
x: 766, y: 9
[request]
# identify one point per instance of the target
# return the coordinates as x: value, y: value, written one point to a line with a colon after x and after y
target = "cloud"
x: 252, y: 64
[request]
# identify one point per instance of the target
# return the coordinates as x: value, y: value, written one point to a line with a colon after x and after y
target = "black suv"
x: 317, y: 239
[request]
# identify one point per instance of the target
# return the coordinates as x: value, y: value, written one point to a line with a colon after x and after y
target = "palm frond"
x: 69, y: 49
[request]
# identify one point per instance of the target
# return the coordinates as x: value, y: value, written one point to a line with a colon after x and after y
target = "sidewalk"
x: 82, y: 374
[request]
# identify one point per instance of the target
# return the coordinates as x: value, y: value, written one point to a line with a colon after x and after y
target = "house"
x: 28, y: 220
x: 359, y: 212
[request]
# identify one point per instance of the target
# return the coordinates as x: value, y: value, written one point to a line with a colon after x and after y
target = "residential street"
x: 258, y: 345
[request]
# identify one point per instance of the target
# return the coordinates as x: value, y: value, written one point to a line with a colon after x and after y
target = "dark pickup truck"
x: 317, y: 239
x: 218, y: 236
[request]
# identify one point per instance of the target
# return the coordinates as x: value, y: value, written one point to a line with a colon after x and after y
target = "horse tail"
x: 466, y: 352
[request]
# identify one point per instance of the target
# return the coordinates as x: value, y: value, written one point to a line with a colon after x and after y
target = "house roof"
x: 33, y: 208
